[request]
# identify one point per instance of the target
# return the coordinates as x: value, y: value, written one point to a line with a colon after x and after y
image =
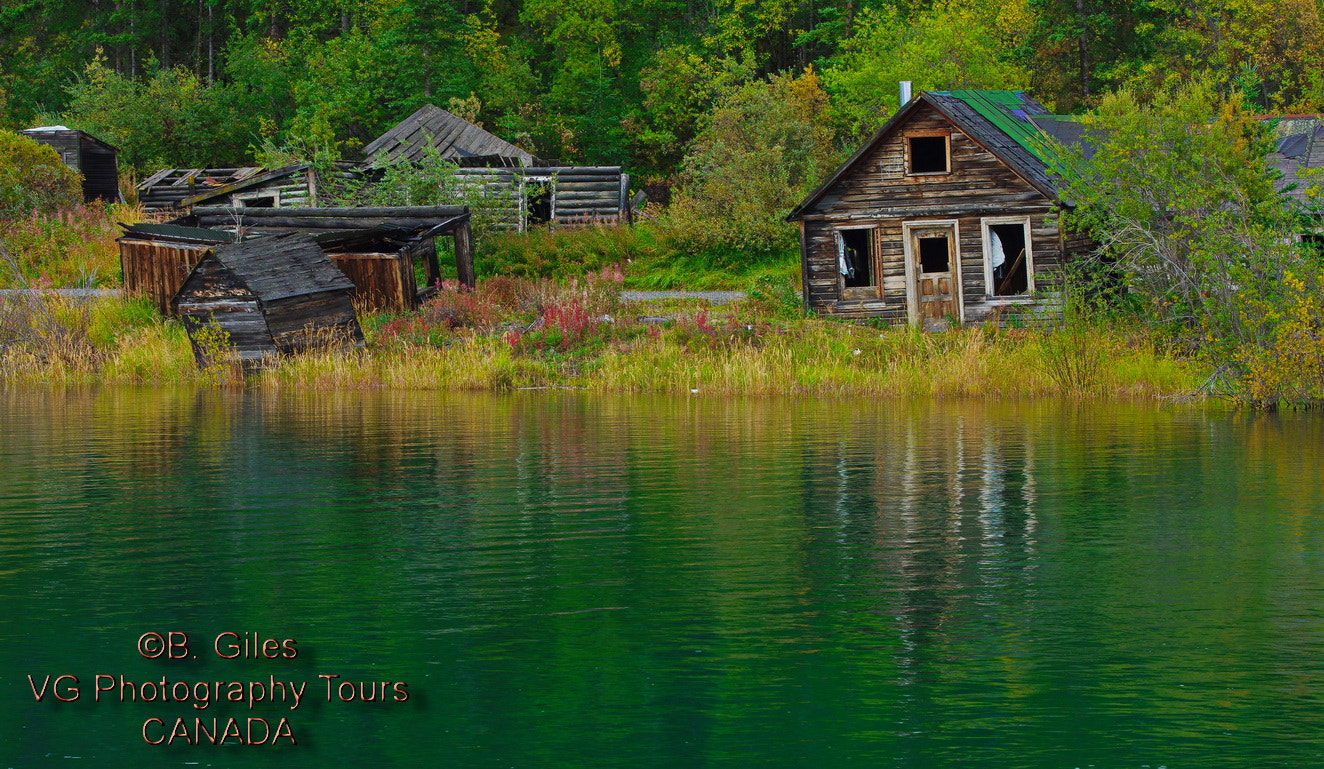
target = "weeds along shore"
x: 513, y: 333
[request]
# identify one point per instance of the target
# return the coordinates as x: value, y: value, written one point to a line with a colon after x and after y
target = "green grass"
x: 526, y: 334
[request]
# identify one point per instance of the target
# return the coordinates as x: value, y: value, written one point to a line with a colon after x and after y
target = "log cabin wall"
x: 879, y: 196
x: 563, y: 196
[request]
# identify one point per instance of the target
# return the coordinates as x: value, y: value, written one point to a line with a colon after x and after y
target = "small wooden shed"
x: 272, y: 295
x: 378, y: 249
x: 96, y: 160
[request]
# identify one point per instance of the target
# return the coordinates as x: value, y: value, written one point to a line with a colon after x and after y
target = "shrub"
x: 765, y: 145
x: 33, y: 179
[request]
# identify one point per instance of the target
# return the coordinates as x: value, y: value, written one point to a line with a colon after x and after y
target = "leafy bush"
x: 33, y: 179
x: 74, y: 247
x: 170, y: 118
x: 760, y: 151
x: 1183, y: 203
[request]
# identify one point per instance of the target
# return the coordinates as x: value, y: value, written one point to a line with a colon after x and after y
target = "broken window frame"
x: 873, y: 289
x: 985, y: 231
x: 946, y: 136
x: 245, y: 199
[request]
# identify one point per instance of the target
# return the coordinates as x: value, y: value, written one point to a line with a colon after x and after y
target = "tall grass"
x: 512, y: 334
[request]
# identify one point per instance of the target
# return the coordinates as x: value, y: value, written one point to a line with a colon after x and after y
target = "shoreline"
x: 584, y: 338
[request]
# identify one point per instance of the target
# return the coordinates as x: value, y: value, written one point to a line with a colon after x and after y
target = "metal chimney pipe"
x: 905, y: 92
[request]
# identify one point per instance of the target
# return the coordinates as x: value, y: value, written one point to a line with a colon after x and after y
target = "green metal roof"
x: 1010, y: 112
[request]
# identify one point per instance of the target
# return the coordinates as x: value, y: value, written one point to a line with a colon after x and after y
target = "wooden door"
x: 933, y: 262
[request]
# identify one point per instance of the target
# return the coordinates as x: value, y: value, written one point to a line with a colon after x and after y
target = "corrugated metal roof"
x: 453, y: 136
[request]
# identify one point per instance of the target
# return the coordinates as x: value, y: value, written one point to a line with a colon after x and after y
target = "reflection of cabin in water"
x: 945, y: 215
x: 96, y: 160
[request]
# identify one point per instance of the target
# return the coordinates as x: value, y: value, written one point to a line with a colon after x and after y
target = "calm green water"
x: 566, y: 581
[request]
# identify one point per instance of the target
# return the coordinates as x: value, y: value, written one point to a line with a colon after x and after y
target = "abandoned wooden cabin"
x: 272, y: 295
x: 517, y: 191
x: 390, y: 253
x: 96, y: 160
x: 177, y: 189
x: 450, y: 136
x: 945, y: 215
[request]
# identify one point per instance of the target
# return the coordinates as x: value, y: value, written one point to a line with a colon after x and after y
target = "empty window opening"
x: 855, y: 257
x: 540, y: 203
x: 928, y: 154
x: 1010, y: 260
x: 263, y: 202
x: 934, y: 255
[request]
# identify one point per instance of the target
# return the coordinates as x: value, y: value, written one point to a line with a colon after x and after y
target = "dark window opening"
x: 540, y: 203
x: 259, y: 202
x: 857, y: 258
x: 1011, y: 269
x: 934, y: 255
x: 928, y: 154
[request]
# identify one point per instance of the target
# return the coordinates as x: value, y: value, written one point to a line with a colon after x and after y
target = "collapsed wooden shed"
x: 252, y: 187
x: 96, y: 160
x: 155, y: 258
x: 272, y: 295
x: 390, y: 254
x: 377, y: 247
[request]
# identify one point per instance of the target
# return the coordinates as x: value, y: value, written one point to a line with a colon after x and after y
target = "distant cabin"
x: 294, y: 186
x: 272, y: 295
x: 96, y: 160
x: 945, y: 215
x: 517, y: 190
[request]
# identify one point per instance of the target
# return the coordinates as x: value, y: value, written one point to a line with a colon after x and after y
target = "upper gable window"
x: 928, y: 154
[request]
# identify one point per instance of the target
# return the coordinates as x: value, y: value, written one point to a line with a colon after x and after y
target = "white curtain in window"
x: 995, y: 249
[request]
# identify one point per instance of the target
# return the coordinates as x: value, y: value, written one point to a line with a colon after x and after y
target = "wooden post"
x: 464, y: 258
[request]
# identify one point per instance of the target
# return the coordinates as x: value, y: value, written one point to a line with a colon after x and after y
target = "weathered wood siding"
x: 95, y: 160
x: 382, y: 281
x: 878, y: 193
x: 157, y: 269
x: 580, y: 196
x: 213, y: 294
x: 303, y: 322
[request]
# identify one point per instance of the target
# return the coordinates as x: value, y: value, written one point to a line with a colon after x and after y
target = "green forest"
x: 629, y: 82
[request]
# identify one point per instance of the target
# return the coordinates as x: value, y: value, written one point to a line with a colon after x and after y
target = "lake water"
x: 563, y: 580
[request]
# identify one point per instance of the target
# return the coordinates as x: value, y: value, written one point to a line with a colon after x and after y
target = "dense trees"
x: 598, y: 81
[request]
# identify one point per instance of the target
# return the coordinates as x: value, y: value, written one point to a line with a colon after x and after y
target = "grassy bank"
x: 514, y: 333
